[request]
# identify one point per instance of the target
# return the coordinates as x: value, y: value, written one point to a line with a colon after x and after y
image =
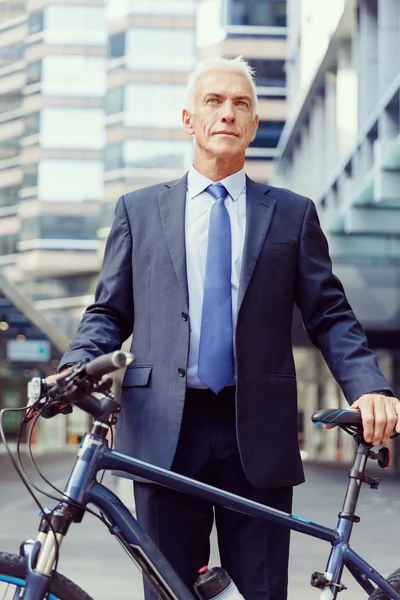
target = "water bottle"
x: 215, y: 584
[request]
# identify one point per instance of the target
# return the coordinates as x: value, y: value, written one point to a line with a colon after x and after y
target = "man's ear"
x: 255, y: 126
x: 187, y: 120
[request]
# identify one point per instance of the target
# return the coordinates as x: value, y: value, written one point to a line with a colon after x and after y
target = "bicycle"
x: 33, y: 575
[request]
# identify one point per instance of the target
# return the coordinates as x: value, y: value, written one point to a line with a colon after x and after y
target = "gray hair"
x: 238, y: 65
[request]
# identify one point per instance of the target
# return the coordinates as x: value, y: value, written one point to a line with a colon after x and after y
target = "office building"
x: 340, y: 146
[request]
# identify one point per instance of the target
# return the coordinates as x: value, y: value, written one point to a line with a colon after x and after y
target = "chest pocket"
x: 137, y: 377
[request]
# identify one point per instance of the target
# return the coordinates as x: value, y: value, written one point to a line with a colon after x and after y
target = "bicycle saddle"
x: 337, y: 416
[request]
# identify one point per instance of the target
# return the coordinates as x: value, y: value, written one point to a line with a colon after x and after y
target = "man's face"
x: 222, y: 120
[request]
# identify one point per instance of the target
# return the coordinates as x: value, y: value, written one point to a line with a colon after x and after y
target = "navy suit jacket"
x: 143, y: 289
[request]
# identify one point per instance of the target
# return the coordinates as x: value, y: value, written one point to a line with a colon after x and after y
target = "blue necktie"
x: 215, y: 368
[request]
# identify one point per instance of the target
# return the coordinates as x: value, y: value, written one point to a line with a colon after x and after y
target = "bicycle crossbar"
x: 116, y: 461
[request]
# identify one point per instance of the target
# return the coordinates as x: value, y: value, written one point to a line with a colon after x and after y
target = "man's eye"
x: 243, y: 103
x: 213, y: 100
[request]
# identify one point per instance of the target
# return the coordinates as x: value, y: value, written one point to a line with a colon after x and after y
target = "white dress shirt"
x: 198, y: 206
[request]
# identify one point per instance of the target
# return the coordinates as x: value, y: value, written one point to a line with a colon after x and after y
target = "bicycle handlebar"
x: 102, y: 365
x: 75, y: 385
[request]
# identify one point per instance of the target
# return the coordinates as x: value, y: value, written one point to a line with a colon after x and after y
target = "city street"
x: 95, y: 561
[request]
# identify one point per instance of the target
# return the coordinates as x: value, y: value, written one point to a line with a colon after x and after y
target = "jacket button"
x: 184, y: 316
x: 181, y: 372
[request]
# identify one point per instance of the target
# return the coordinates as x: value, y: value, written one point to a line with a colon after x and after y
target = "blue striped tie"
x: 215, y: 368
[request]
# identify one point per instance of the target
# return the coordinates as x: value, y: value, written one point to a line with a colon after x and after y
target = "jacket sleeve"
x: 108, y: 322
x: 328, y: 317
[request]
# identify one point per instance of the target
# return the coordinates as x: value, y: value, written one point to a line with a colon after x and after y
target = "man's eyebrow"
x: 217, y: 95
x: 243, y: 98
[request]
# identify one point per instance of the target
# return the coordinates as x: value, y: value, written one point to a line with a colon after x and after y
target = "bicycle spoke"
x: 10, y: 592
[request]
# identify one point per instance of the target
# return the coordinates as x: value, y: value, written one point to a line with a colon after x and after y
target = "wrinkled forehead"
x: 223, y: 83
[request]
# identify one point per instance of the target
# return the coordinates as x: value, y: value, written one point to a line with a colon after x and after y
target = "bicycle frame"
x: 82, y: 486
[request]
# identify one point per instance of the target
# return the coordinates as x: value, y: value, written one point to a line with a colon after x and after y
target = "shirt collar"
x: 197, y: 183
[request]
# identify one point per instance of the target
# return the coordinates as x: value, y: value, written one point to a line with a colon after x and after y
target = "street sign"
x: 28, y: 350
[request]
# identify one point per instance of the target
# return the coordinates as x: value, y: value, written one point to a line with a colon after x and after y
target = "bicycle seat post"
x: 356, y: 478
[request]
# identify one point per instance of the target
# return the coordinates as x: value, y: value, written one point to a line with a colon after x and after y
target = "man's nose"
x: 228, y: 113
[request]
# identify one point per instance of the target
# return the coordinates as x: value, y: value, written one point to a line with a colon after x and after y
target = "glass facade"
x: 10, y: 54
x: 10, y: 101
x: 9, y: 196
x: 9, y: 148
x: 62, y: 227
x: 269, y: 73
x: 35, y: 22
x: 158, y: 49
x: 116, y: 45
x: 8, y: 244
x: 114, y: 102
x: 34, y: 72
x: 149, y: 154
x: 153, y: 105
x: 258, y: 13
x: 268, y: 134
x: 66, y: 287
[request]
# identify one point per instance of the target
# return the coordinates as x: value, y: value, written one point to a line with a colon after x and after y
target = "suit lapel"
x: 259, y: 210
x: 172, y: 202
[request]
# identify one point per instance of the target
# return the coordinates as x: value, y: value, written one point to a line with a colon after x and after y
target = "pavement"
x: 96, y: 562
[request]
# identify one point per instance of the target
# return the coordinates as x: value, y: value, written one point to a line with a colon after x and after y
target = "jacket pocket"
x: 281, y: 376
x: 136, y: 377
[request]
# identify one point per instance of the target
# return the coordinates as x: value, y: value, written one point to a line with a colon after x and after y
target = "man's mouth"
x: 226, y: 133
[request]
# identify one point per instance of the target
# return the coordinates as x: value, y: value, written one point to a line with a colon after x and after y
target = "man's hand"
x: 380, y: 416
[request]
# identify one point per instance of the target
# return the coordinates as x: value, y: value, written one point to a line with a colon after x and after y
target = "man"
x: 205, y: 272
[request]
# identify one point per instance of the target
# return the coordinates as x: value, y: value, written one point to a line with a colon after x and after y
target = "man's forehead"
x: 222, y: 82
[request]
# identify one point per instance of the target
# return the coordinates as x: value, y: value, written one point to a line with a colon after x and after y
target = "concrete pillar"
x: 388, y: 43
x: 346, y: 100
x: 330, y: 400
x: 312, y: 433
x: 367, y: 53
x: 330, y: 122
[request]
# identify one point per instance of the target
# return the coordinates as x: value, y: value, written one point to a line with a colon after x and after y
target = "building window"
x: 9, y: 148
x: 30, y: 176
x: 178, y: 8
x: 32, y: 124
x: 9, y: 196
x: 264, y: 13
x: 10, y: 54
x: 154, y: 105
x: 74, y: 76
x: 35, y: 22
x: 113, y: 157
x: 70, y: 180
x: 34, y: 72
x: 116, y: 45
x: 72, y: 127
x: 156, y: 49
x: 82, y: 25
x: 60, y: 227
x: 8, y: 244
x: 66, y: 287
x: 268, y: 134
x: 9, y: 102
x: 162, y: 154
x: 269, y: 73
x: 114, y: 101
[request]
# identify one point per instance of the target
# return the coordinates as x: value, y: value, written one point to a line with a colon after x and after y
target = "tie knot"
x: 218, y: 191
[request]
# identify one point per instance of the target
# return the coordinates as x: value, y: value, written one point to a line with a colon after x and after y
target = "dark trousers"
x: 255, y: 552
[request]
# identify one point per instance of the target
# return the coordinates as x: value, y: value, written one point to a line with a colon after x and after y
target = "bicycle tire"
x: 394, y: 580
x: 12, y: 570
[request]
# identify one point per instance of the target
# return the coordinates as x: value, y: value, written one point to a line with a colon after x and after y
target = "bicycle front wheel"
x: 12, y: 579
x: 394, y: 580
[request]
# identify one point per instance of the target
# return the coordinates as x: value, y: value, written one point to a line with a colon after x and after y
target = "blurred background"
x: 91, y: 94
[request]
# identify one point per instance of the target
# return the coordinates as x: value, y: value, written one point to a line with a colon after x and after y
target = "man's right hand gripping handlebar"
x: 76, y: 384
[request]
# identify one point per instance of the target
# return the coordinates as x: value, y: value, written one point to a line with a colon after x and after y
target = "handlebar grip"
x: 102, y: 365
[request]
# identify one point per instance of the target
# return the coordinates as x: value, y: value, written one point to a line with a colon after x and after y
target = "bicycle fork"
x: 41, y: 555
